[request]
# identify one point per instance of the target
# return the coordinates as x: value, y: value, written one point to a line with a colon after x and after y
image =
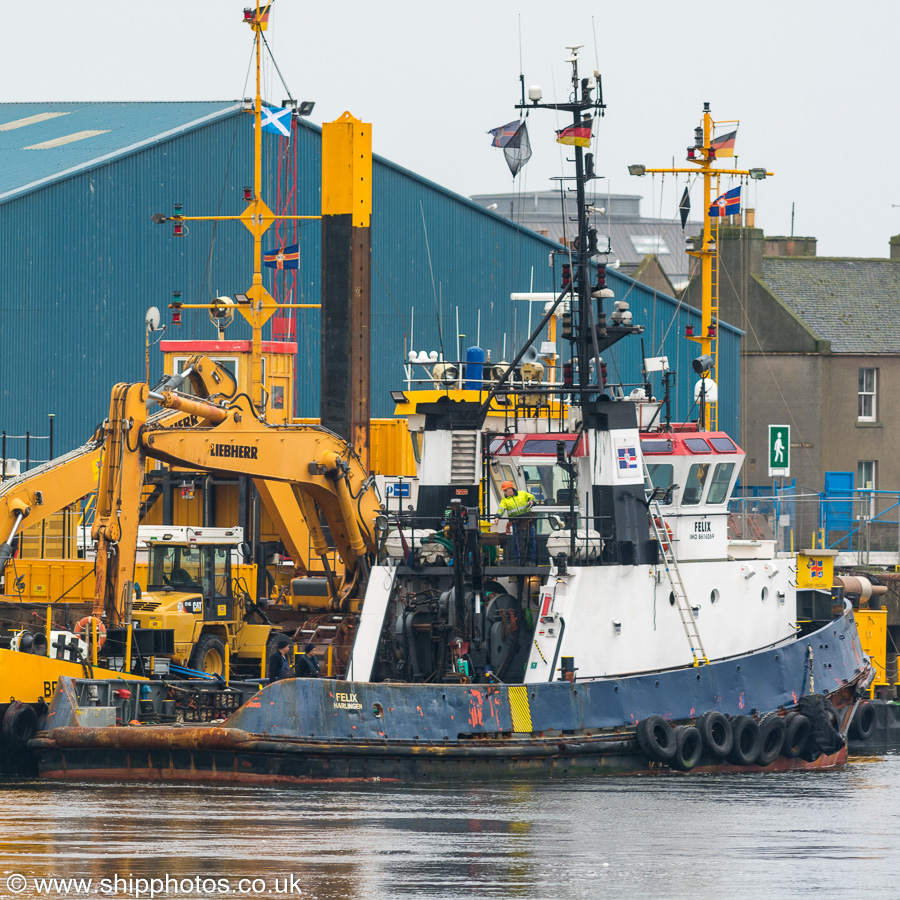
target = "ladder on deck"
x: 673, y: 573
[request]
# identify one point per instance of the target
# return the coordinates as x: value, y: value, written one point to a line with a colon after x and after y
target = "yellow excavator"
x: 32, y: 497
x: 29, y: 673
x: 308, y: 478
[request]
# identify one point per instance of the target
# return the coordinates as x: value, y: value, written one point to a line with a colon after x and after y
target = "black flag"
x: 684, y: 208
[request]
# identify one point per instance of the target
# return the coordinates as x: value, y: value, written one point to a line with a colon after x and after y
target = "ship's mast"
x: 583, y: 106
x: 257, y: 306
x: 703, y: 154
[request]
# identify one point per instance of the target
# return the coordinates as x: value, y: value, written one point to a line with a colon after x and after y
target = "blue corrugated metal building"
x: 82, y: 261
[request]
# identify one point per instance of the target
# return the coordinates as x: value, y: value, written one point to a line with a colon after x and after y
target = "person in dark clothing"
x: 280, y: 661
x: 308, y: 665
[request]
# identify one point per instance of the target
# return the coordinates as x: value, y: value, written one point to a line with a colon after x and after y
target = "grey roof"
x: 854, y: 303
x: 621, y: 222
x: 42, y: 142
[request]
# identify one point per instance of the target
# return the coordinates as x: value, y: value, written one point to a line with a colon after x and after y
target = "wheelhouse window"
x: 662, y: 476
x: 693, y: 486
x: 657, y: 446
x: 723, y: 444
x: 868, y: 395
x: 501, y: 472
x: 547, y: 446
x: 549, y: 484
x: 696, y: 445
x: 721, y: 481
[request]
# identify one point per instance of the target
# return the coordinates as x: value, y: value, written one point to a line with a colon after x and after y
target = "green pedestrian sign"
x: 779, y: 451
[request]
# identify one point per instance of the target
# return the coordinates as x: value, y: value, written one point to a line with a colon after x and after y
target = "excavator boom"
x: 304, y: 472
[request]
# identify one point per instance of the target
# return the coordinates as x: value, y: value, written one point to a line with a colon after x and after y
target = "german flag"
x: 579, y: 135
x: 263, y: 21
x: 724, y: 145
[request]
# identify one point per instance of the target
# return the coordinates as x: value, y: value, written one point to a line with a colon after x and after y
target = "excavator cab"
x: 203, y: 569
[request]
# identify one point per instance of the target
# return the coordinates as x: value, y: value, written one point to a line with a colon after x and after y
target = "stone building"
x: 821, y: 353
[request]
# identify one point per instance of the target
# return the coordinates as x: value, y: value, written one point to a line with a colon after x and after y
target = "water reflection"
x: 708, y: 836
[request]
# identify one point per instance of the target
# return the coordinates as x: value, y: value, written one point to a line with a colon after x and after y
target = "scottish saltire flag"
x: 283, y: 257
x: 579, y: 135
x: 724, y: 145
x: 627, y: 458
x: 276, y: 121
x: 728, y: 204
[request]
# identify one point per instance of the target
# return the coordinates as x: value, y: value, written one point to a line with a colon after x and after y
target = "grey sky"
x: 813, y: 84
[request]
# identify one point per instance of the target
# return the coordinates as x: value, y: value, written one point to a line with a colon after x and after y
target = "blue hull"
x: 303, y: 730
x: 758, y: 683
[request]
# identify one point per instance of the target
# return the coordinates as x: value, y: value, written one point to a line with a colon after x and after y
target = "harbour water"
x: 834, y: 834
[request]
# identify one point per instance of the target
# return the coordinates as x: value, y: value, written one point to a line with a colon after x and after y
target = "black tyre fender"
x: 688, y: 748
x: 656, y: 739
x: 19, y: 724
x: 824, y: 736
x: 203, y: 647
x: 772, y: 731
x: 833, y: 716
x: 797, y: 731
x: 715, y: 730
x: 746, y: 744
x: 864, y: 721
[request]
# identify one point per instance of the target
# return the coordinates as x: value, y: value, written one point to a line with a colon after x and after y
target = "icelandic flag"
x: 276, y: 121
x: 283, y: 257
x: 627, y: 458
x: 816, y: 568
x: 728, y: 204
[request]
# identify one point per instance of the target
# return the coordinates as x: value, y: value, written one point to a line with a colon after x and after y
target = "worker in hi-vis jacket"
x: 517, y: 506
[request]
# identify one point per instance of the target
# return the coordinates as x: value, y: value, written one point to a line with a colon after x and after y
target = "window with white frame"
x: 868, y: 391
x: 866, y: 473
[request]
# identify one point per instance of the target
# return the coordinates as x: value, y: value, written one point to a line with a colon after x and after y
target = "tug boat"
x: 626, y: 634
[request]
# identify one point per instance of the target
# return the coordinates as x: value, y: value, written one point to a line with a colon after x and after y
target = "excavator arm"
x: 303, y: 472
x: 27, y: 500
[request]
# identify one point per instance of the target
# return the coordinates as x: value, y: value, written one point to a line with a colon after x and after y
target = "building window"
x: 868, y: 386
x: 865, y: 475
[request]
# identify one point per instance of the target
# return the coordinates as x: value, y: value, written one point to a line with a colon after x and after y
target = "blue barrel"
x: 474, y: 370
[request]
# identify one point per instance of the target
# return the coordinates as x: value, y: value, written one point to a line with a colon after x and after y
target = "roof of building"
x: 854, y: 303
x: 632, y: 237
x: 43, y: 142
